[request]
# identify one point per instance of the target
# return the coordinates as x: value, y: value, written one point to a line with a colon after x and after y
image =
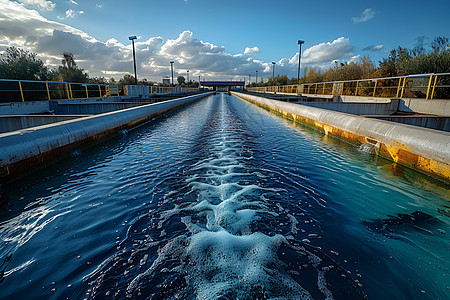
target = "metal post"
x: 132, y: 38
x: 188, y: 76
x: 300, y: 42
x: 21, y: 91
x: 429, y: 86
x: 117, y: 90
x: 70, y: 89
x: 100, y: 90
x: 323, y: 92
x: 403, y: 87
x: 87, y: 93
x: 398, y: 87
x: 273, y: 73
x: 256, y: 81
x: 67, y: 90
x: 48, y: 91
x: 434, y: 86
x: 356, y: 91
x: 171, y: 67
x: 375, y: 88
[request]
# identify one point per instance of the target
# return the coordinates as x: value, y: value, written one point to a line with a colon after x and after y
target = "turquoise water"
x: 223, y: 200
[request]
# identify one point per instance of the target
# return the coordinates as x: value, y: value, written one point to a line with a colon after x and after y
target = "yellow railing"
x: 425, y: 86
x: 171, y: 90
x: 12, y: 90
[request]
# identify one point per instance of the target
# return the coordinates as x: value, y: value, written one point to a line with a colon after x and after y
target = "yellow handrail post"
x: 323, y: 92
x: 70, y: 89
x: 308, y: 88
x: 117, y: 89
x: 356, y: 91
x: 434, y: 86
x: 100, y: 90
x: 48, y: 91
x: 87, y: 93
x: 403, y: 87
x: 21, y: 91
x: 342, y: 89
x: 398, y: 87
x: 67, y: 90
x: 375, y: 88
x: 429, y: 86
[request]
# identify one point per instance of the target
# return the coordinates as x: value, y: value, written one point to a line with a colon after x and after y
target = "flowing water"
x: 224, y: 200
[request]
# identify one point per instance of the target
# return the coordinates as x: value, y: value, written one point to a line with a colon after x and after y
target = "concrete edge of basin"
x: 26, y: 150
x: 422, y: 149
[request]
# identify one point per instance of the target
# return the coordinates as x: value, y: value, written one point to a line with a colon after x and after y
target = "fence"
x: 425, y: 86
x: 28, y: 90
x: 12, y: 90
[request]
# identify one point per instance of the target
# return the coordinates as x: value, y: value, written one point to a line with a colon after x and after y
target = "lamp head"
x: 132, y: 37
x: 300, y: 42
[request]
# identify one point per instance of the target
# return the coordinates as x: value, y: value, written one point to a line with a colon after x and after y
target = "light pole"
x: 132, y: 38
x: 171, y: 67
x: 273, y: 73
x: 300, y: 42
x: 199, y: 81
x: 187, y: 76
x: 256, y: 77
x: 249, y: 79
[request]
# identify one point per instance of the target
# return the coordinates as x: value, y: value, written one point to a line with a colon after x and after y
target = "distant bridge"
x: 223, y: 86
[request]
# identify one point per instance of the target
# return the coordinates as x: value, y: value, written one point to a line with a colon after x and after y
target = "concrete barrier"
x: 359, y: 108
x: 11, y: 123
x: 422, y: 149
x: 91, y: 108
x: 25, y: 150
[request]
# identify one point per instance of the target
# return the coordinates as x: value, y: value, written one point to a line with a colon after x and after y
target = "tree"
x: 17, y: 63
x: 126, y: 80
x: 181, y: 80
x: 69, y: 71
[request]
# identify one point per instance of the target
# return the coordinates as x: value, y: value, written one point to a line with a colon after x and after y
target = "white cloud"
x: 99, y: 5
x: 250, y: 51
x: 326, y: 52
x: 72, y: 2
x: 373, y: 48
x: 70, y: 13
x: 42, y: 4
x: 365, y: 16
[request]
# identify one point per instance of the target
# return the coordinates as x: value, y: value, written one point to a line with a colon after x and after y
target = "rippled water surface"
x: 223, y: 200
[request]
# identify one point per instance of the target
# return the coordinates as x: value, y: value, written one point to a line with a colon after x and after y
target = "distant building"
x: 166, y: 80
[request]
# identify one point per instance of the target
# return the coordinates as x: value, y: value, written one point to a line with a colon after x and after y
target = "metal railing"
x: 12, y: 90
x: 424, y: 86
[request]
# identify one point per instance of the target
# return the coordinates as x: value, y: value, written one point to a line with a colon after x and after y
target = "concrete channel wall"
x: 422, y: 149
x: 28, y: 149
x: 11, y: 123
x: 359, y: 108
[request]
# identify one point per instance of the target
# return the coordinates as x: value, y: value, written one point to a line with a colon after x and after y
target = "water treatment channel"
x: 223, y: 200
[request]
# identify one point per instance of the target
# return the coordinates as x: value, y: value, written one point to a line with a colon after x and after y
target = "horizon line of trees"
x: 400, y: 62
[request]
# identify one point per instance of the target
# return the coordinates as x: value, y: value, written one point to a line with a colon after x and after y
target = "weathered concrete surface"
x: 11, y: 123
x: 421, y: 106
x: 359, y: 108
x: 24, y: 108
x: 27, y: 149
x: 426, y: 121
x: 94, y: 108
x: 423, y: 149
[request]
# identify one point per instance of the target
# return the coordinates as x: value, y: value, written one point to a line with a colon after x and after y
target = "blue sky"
x: 216, y: 39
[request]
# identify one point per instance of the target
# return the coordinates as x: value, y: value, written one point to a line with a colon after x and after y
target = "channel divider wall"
x: 425, y: 150
x: 26, y: 150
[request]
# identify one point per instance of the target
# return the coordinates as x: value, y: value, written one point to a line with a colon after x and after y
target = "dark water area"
x: 224, y: 200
